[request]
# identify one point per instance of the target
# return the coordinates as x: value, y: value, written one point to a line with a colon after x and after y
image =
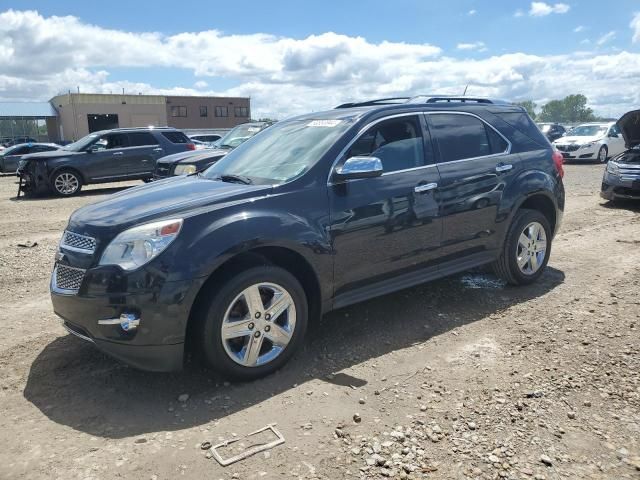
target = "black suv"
x: 315, y: 213
x: 105, y: 156
x: 621, y: 178
x: 191, y: 162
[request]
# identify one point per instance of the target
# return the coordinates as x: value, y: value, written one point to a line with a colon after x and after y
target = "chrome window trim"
x: 417, y: 113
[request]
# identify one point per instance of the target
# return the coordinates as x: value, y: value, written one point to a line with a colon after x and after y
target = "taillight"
x: 191, y: 146
x: 558, y: 161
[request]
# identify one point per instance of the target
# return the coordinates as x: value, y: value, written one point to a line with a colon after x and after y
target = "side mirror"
x: 359, y: 167
x: 613, y: 135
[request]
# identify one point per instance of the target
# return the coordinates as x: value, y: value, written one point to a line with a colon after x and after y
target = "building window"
x: 222, y: 112
x: 203, y: 111
x: 177, y: 111
x: 242, y: 111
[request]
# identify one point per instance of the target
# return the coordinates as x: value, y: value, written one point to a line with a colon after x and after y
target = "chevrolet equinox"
x: 312, y: 214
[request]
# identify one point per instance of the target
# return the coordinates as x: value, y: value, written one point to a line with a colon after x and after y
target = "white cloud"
x: 607, y: 37
x: 519, y: 13
x: 635, y: 26
x: 472, y: 12
x: 541, y: 9
x: 476, y: 46
x: 43, y: 56
x: 578, y: 29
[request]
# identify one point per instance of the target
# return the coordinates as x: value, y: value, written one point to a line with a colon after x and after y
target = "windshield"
x: 81, y: 144
x: 281, y: 153
x: 238, y: 135
x: 11, y: 150
x: 589, y: 131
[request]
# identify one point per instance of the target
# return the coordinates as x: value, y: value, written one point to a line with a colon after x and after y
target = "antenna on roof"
x: 465, y: 90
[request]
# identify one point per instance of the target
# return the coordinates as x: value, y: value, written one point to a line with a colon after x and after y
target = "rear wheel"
x: 526, y: 248
x: 66, y: 183
x: 602, y: 154
x: 254, y: 323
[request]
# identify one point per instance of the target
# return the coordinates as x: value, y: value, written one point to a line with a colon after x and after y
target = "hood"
x: 193, y: 156
x: 629, y: 125
x: 579, y: 140
x: 52, y: 154
x: 175, y: 196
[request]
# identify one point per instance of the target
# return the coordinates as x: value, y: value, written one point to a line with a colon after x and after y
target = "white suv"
x: 591, y: 141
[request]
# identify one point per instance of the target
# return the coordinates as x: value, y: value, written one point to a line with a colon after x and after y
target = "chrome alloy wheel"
x: 532, y: 248
x: 259, y: 324
x: 602, y: 155
x: 66, y: 183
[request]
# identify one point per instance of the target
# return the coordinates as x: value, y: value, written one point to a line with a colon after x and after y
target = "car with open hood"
x: 188, y: 163
x: 621, y: 178
x: 591, y: 141
x: 315, y: 213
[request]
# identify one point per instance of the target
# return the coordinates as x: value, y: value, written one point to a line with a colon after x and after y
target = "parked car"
x: 622, y: 175
x: 590, y: 141
x: 315, y: 213
x: 207, y: 138
x: 552, y: 131
x: 11, y: 141
x: 190, y: 163
x: 105, y: 156
x: 9, y: 157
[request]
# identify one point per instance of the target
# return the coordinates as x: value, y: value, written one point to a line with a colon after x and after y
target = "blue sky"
x: 464, y: 32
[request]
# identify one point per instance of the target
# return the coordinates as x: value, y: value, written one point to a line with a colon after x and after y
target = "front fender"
x: 216, y: 237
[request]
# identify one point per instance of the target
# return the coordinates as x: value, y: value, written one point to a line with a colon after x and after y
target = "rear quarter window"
x: 176, y: 137
x: 523, y: 123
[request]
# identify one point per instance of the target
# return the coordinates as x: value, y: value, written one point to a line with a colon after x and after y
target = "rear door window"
x: 463, y: 136
x: 176, y: 137
x: 142, y: 139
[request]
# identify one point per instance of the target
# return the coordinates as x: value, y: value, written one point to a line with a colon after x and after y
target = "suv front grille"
x: 567, y: 148
x: 75, y: 241
x: 68, y: 278
x: 629, y: 172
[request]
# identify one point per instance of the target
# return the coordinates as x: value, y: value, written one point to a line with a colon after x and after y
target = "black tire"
x: 506, y: 266
x: 62, y: 183
x: 604, y: 149
x: 218, y: 300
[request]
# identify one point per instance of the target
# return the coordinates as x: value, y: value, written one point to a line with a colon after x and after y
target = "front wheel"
x: 602, y: 154
x: 526, y: 248
x: 253, y: 323
x: 66, y: 183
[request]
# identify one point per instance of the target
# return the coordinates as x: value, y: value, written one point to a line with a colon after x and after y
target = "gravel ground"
x: 459, y: 378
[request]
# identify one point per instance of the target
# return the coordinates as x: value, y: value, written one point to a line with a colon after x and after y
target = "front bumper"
x: 614, y: 187
x: 157, y: 344
x: 579, y: 154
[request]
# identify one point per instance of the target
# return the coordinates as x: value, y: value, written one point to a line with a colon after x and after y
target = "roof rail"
x: 425, y: 99
x: 377, y: 101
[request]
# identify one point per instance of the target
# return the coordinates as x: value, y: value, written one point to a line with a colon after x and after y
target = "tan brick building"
x: 82, y: 113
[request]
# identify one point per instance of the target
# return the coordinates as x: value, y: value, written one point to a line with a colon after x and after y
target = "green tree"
x: 571, y: 109
x: 529, y: 106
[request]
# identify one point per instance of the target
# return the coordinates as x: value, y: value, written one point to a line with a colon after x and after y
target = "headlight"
x: 185, y: 170
x: 138, y: 245
x: 588, y: 145
x: 613, y: 169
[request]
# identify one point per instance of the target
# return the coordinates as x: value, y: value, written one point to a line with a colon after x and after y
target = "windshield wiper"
x: 231, y: 178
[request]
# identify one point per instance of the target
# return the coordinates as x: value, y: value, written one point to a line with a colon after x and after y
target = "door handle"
x: 503, y: 167
x: 157, y: 150
x: 425, y: 188
x: 118, y: 153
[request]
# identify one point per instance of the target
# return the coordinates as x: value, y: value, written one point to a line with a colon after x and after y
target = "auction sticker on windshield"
x: 324, y: 123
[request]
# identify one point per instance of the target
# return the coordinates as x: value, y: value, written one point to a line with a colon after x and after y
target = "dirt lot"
x: 460, y: 378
